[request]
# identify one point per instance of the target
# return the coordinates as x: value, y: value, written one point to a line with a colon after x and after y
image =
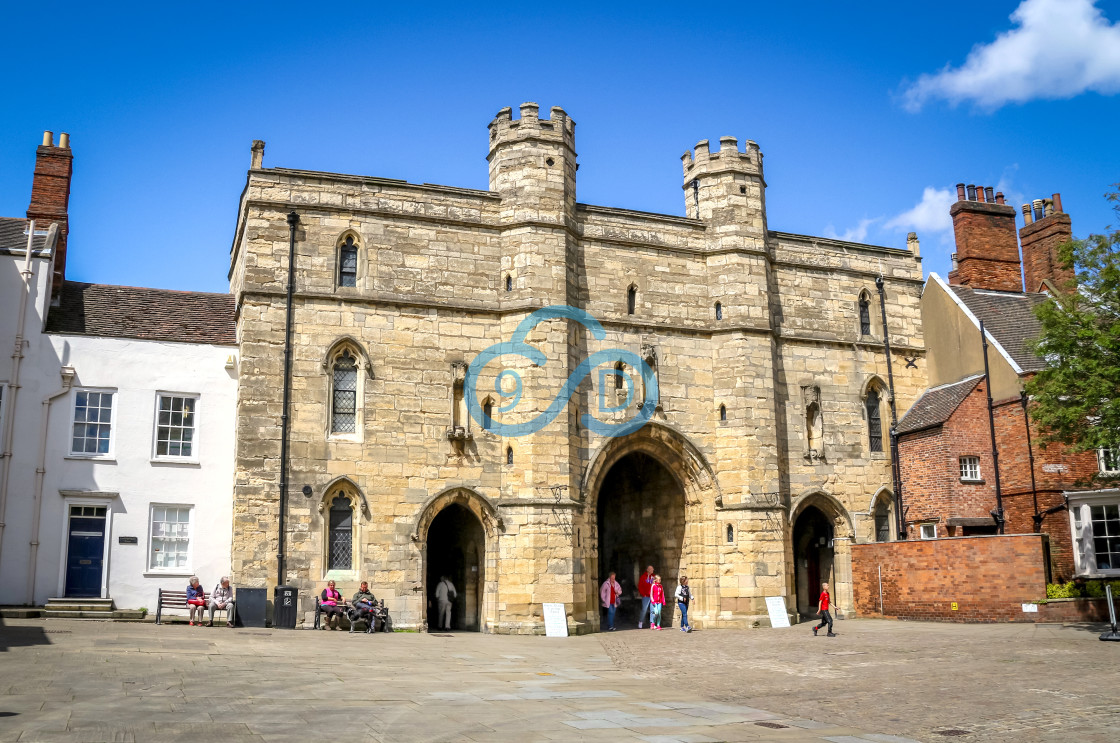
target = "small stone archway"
x: 452, y: 510
x: 813, y: 516
x: 688, y: 471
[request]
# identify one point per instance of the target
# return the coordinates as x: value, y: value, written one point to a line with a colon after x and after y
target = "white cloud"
x: 855, y: 234
x: 931, y: 214
x: 1059, y: 49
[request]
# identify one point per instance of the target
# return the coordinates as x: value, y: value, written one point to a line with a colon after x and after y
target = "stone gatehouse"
x: 765, y: 457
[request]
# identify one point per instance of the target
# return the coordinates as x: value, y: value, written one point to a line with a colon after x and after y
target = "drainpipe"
x: 40, y: 472
x: 998, y: 513
x: 293, y: 222
x: 896, y: 466
x: 1030, y: 456
x: 28, y: 273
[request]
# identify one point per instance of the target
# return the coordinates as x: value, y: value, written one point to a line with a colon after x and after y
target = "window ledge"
x: 971, y: 482
x: 190, y: 461
x: 92, y: 458
x: 162, y: 574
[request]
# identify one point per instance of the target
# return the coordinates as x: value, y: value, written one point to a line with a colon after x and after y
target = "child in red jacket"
x: 656, y: 601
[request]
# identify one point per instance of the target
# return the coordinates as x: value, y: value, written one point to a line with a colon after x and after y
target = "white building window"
x: 93, y: 423
x: 176, y: 426
x: 1109, y: 460
x: 928, y: 531
x: 1095, y: 518
x: 970, y: 468
x: 170, y: 549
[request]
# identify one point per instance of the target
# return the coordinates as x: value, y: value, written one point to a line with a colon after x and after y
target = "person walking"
x: 609, y: 594
x: 684, y: 596
x: 445, y: 594
x: 656, y: 601
x: 644, y: 584
x: 823, y: 605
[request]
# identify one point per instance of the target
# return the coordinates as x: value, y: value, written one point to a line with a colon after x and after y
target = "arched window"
x: 723, y: 412
x: 509, y: 455
x: 864, y: 314
x: 882, y: 515
x: 719, y: 311
x: 874, y: 421
x: 344, y: 394
x: 340, y: 537
x: 509, y: 283
x: 631, y: 299
x: 487, y: 414
x: 348, y: 262
x: 730, y: 534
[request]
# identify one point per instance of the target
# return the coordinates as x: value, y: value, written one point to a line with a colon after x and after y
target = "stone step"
x: 76, y: 604
x: 119, y: 615
x: 21, y: 612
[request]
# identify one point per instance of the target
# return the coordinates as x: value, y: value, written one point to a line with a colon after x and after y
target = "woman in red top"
x: 823, y: 606
x: 656, y: 601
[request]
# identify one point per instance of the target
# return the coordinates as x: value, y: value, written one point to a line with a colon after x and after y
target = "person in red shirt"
x: 823, y: 606
x: 644, y: 584
x: 656, y: 601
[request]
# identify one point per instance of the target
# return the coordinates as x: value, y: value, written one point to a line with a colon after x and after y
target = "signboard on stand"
x: 776, y: 606
x: 555, y: 621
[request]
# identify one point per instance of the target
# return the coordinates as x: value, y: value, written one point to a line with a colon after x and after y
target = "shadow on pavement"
x: 21, y: 636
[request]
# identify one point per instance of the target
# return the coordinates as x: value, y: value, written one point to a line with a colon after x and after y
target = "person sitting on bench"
x: 361, y: 607
x: 331, y: 604
x: 196, y: 600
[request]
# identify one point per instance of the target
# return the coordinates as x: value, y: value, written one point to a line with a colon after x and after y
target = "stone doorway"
x: 814, y: 556
x: 641, y: 521
x: 456, y: 547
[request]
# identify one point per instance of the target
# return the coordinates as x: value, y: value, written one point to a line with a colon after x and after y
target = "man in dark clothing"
x: 823, y: 605
x: 361, y: 607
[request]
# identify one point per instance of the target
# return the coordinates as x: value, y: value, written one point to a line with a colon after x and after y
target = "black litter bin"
x: 284, y: 607
x: 251, y: 606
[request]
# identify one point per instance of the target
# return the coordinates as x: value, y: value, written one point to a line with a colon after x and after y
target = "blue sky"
x: 863, y: 137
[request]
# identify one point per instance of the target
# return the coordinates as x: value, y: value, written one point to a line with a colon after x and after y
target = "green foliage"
x: 1076, y: 398
x: 1076, y: 589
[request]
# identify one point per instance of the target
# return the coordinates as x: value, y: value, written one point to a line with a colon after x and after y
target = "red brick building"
x: 944, y: 440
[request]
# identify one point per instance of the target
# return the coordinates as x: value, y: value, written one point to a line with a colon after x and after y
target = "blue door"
x: 85, y: 551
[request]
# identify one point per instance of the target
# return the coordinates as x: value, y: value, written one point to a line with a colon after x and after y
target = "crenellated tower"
x: 533, y: 164
x: 727, y: 190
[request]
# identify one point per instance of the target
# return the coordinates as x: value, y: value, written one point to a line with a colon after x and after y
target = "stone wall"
x: 431, y: 293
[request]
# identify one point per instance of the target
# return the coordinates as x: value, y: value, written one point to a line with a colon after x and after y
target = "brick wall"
x: 50, y: 200
x: 989, y: 577
x: 987, y: 246
x: 1040, y: 250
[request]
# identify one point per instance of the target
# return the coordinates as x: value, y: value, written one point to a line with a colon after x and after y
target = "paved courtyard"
x: 877, y: 681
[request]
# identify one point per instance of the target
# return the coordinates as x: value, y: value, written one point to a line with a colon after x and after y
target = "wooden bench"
x: 178, y: 600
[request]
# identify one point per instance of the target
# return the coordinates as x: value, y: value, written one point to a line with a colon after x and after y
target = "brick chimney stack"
x: 987, y: 254
x: 1047, y: 227
x: 50, y: 196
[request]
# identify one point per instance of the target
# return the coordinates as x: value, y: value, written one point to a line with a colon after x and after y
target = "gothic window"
x: 874, y: 421
x: 344, y: 394
x: 882, y: 517
x: 340, y: 537
x: 348, y: 263
x: 631, y: 299
x: 719, y: 311
x: 864, y: 314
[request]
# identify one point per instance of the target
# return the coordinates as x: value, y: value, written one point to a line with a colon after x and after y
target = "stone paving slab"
x: 880, y: 682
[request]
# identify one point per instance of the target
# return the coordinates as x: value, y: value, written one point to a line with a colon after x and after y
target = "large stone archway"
x: 677, y: 473
x: 457, y: 535
x: 820, y: 549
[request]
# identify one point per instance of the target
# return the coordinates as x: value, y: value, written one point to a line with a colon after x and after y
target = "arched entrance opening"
x: 813, y: 558
x: 456, y: 548
x: 641, y: 521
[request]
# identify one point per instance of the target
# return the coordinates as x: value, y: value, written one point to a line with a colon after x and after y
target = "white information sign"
x: 1030, y: 608
x: 776, y: 605
x: 555, y: 621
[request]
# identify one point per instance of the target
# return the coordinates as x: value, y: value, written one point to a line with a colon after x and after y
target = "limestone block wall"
x: 431, y: 293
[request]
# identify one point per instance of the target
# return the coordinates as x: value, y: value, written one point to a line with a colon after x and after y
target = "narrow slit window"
x: 730, y: 533
x: 509, y: 455
x: 348, y: 263
x: 723, y: 412
x: 864, y: 315
x: 487, y: 414
x: 719, y: 311
x: 509, y: 283
x: 631, y: 300
x: 874, y: 422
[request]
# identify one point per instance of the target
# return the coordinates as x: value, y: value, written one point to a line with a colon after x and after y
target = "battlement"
x: 702, y: 161
x: 558, y: 128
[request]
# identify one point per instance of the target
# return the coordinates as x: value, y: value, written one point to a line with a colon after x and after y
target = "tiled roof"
x: 13, y: 235
x: 148, y: 314
x: 1009, y: 317
x: 936, y: 405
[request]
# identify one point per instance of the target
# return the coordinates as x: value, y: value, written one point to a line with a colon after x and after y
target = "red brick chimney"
x: 1047, y: 227
x: 987, y: 254
x: 50, y: 196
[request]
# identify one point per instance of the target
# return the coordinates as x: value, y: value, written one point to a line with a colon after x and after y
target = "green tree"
x: 1076, y: 398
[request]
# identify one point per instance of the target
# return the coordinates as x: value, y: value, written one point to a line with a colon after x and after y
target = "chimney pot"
x: 960, y: 192
x: 1027, y: 219
x: 257, y: 157
x: 971, y: 192
x: 1057, y: 202
x: 990, y: 196
x: 48, y: 139
x: 64, y: 141
x: 999, y: 197
x: 1036, y: 204
x: 1047, y: 207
